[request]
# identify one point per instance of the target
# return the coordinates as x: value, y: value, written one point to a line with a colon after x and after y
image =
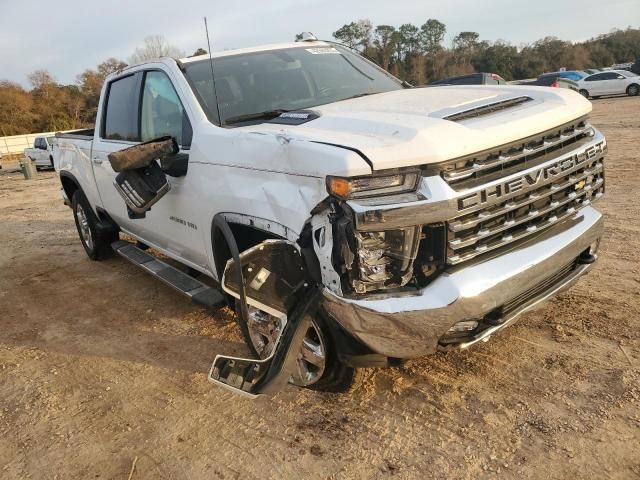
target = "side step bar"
x: 197, y: 291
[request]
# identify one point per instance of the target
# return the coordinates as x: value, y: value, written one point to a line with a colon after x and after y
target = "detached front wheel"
x: 317, y: 366
x: 96, y: 241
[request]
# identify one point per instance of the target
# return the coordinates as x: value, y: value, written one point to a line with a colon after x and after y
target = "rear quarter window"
x: 121, y: 113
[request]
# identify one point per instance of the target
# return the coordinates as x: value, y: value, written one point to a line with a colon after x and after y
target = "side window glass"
x: 162, y: 112
x: 121, y: 115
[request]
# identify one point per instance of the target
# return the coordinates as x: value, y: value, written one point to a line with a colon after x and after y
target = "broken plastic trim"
x: 278, y: 285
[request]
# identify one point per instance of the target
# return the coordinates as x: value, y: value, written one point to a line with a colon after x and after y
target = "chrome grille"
x: 498, y: 162
x: 484, y: 226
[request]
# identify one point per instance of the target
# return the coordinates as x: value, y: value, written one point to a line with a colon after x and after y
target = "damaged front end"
x: 381, y: 259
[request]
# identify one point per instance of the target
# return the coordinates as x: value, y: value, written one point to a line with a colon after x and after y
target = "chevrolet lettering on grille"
x: 529, y: 180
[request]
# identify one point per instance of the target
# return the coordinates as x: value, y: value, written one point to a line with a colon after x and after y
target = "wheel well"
x: 632, y: 85
x: 69, y: 186
x: 245, y: 236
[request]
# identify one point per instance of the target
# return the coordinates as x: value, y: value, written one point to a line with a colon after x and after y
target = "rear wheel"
x: 584, y: 93
x: 318, y: 366
x: 633, y: 90
x: 95, y: 240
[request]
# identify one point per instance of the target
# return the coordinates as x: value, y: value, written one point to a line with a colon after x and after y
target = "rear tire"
x: 584, y: 93
x: 633, y: 90
x: 334, y: 377
x: 95, y: 240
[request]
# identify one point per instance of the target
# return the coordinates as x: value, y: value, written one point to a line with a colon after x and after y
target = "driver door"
x: 152, y: 108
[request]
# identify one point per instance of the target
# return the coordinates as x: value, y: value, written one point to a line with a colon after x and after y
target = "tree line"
x: 418, y: 55
x: 413, y: 53
x: 49, y: 106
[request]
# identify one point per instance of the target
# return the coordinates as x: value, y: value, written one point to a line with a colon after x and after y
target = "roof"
x: 261, y: 48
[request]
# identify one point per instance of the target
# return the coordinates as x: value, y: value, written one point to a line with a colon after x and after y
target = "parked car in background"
x: 611, y: 82
x: 472, y: 79
x: 544, y: 80
x: 574, y: 75
x: 41, y: 153
x: 555, y: 79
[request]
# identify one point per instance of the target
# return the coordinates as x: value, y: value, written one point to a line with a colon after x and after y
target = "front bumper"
x: 413, y: 324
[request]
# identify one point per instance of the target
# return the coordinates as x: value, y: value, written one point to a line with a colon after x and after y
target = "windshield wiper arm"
x: 266, y: 115
x: 358, y: 95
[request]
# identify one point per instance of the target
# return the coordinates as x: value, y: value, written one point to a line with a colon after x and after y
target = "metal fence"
x: 15, y: 144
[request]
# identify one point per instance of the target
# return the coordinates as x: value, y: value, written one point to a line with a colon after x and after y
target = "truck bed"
x: 86, y: 134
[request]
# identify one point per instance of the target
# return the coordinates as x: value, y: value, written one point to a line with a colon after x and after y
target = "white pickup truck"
x: 41, y: 154
x: 429, y: 218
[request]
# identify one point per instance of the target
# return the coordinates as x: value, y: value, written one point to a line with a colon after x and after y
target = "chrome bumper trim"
x: 410, y: 324
x: 530, y: 305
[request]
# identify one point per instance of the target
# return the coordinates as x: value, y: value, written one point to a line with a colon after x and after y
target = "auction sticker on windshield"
x: 322, y: 50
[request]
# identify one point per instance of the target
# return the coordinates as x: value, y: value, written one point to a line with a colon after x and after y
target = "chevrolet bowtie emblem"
x: 580, y: 185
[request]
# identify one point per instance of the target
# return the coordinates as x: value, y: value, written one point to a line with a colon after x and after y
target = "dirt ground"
x: 101, y: 365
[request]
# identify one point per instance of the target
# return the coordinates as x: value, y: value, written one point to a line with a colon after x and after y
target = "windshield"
x: 287, y: 79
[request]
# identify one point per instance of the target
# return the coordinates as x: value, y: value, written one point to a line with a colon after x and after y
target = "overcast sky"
x: 68, y: 36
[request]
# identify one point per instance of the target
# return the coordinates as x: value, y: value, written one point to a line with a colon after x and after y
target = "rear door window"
x: 121, y: 113
x: 596, y: 77
x: 468, y: 80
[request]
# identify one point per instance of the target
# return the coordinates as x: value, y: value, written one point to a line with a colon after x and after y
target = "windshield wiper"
x: 358, y: 95
x: 266, y: 115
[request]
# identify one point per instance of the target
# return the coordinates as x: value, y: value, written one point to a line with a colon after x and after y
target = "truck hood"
x: 410, y: 127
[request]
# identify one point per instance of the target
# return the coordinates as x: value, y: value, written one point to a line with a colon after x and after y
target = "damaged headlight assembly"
x: 385, y: 259
x: 375, y: 260
x: 372, y: 185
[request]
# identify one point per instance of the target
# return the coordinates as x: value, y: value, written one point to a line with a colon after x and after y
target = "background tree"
x: 155, y: 47
x: 202, y: 51
x: 348, y: 34
x: 431, y: 36
x: 16, y: 109
x: 90, y: 85
x: 384, y: 39
x: 355, y: 34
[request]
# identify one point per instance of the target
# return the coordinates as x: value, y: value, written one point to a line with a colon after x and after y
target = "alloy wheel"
x: 85, y: 230
x: 264, y: 330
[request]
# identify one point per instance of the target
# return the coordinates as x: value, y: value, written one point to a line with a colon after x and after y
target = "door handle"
x: 97, y: 160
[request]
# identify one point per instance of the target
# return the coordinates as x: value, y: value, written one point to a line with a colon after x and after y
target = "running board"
x: 197, y: 291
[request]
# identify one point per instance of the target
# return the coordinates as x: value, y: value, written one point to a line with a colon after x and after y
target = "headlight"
x: 385, y: 259
x: 372, y: 185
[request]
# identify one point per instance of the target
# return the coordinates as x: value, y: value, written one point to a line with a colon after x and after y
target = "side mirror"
x: 175, y: 165
x: 141, y: 181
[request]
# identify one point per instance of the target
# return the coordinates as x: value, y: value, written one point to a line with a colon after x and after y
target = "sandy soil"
x: 101, y: 364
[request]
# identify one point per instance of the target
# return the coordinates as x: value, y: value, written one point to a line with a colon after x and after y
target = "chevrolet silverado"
x: 430, y: 218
